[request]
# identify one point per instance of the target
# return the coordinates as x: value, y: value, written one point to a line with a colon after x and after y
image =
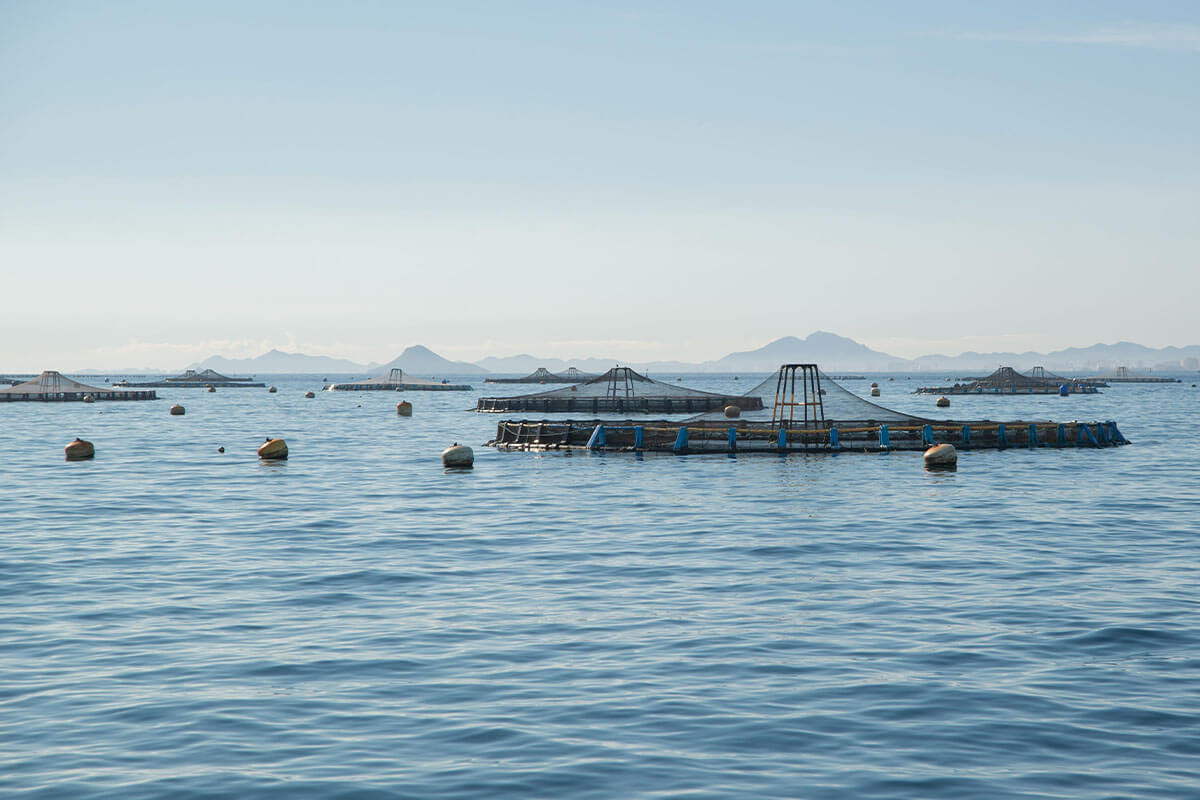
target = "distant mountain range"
x: 834, y: 353
x: 418, y: 360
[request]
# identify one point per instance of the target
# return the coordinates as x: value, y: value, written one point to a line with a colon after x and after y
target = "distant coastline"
x: 830, y: 350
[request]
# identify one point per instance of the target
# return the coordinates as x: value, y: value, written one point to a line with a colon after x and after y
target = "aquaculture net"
x: 838, y: 403
x: 620, y: 383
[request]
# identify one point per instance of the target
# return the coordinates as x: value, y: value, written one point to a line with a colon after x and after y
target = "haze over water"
x: 356, y: 622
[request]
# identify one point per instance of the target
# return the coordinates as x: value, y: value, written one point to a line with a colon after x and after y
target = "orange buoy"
x: 273, y: 450
x: 404, y: 408
x: 309, y: 395
x: 79, y: 450
x: 177, y: 410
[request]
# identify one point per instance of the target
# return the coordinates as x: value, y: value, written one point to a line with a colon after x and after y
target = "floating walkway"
x: 819, y: 416
x: 1007, y: 381
x: 198, y: 380
x: 396, y: 381
x: 51, y: 386
x: 743, y: 437
x: 543, y: 375
x: 619, y: 391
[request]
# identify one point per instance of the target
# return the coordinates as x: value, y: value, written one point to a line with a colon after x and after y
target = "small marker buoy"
x: 177, y: 410
x: 212, y: 388
x: 875, y: 391
x: 733, y: 412
x: 404, y: 408
x: 1063, y: 391
x: 273, y: 450
x: 221, y: 449
x: 941, y: 456
x: 943, y: 402
x: 874, y: 385
x: 458, y: 455
x: 79, y: 450
x: 272, y: 390
x: 309, y: 395
x: 87, y: 398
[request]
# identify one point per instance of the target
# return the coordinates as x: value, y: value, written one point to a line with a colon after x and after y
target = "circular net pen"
x: 802, y: 396
x: 619, y: 391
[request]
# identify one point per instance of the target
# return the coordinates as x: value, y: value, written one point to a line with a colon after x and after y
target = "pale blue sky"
x: 632, y: 180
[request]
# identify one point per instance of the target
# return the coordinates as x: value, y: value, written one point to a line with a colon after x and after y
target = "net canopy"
x: 837, y: 404
x: 619, y: 390
x: 1009, y: 378
x: 50, y: 382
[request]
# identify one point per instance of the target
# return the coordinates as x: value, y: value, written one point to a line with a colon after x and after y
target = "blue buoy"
x: 1063, y: 391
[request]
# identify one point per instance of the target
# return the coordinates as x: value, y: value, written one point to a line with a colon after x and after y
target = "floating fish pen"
x: 619, y: 391
x: 51, y: 387
x: 396, y: 381
x: 819, y: 417
x: 543, y: 375
x: 1007, y: 381
x: 198, y: 380
x: 1123, y: 375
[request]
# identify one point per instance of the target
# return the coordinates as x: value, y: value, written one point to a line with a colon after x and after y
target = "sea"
x: 359, y: 622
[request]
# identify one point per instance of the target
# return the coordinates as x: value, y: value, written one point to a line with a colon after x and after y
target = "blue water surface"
x: 358, y: 622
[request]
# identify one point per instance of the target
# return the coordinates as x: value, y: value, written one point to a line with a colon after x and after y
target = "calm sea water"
x: 358, y: 623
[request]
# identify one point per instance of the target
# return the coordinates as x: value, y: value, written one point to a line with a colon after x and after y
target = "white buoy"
x: 87, y: 398
x: 733, y: 412
x: 941, y: 456
x: 272, y: 390
x: 458, y: 455
x: 875, y: 391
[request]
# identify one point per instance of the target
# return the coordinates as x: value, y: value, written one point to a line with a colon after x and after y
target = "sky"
x: 631, y: 180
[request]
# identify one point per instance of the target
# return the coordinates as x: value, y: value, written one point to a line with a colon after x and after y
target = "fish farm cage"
x: 802, y: 411
x: 1007, y: 381
x: 619, y: 391
x: 543, y: 375
x: 1126, y: 375
x: 396, y: 381
x: 54, y: 387
x: 198, y: 380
